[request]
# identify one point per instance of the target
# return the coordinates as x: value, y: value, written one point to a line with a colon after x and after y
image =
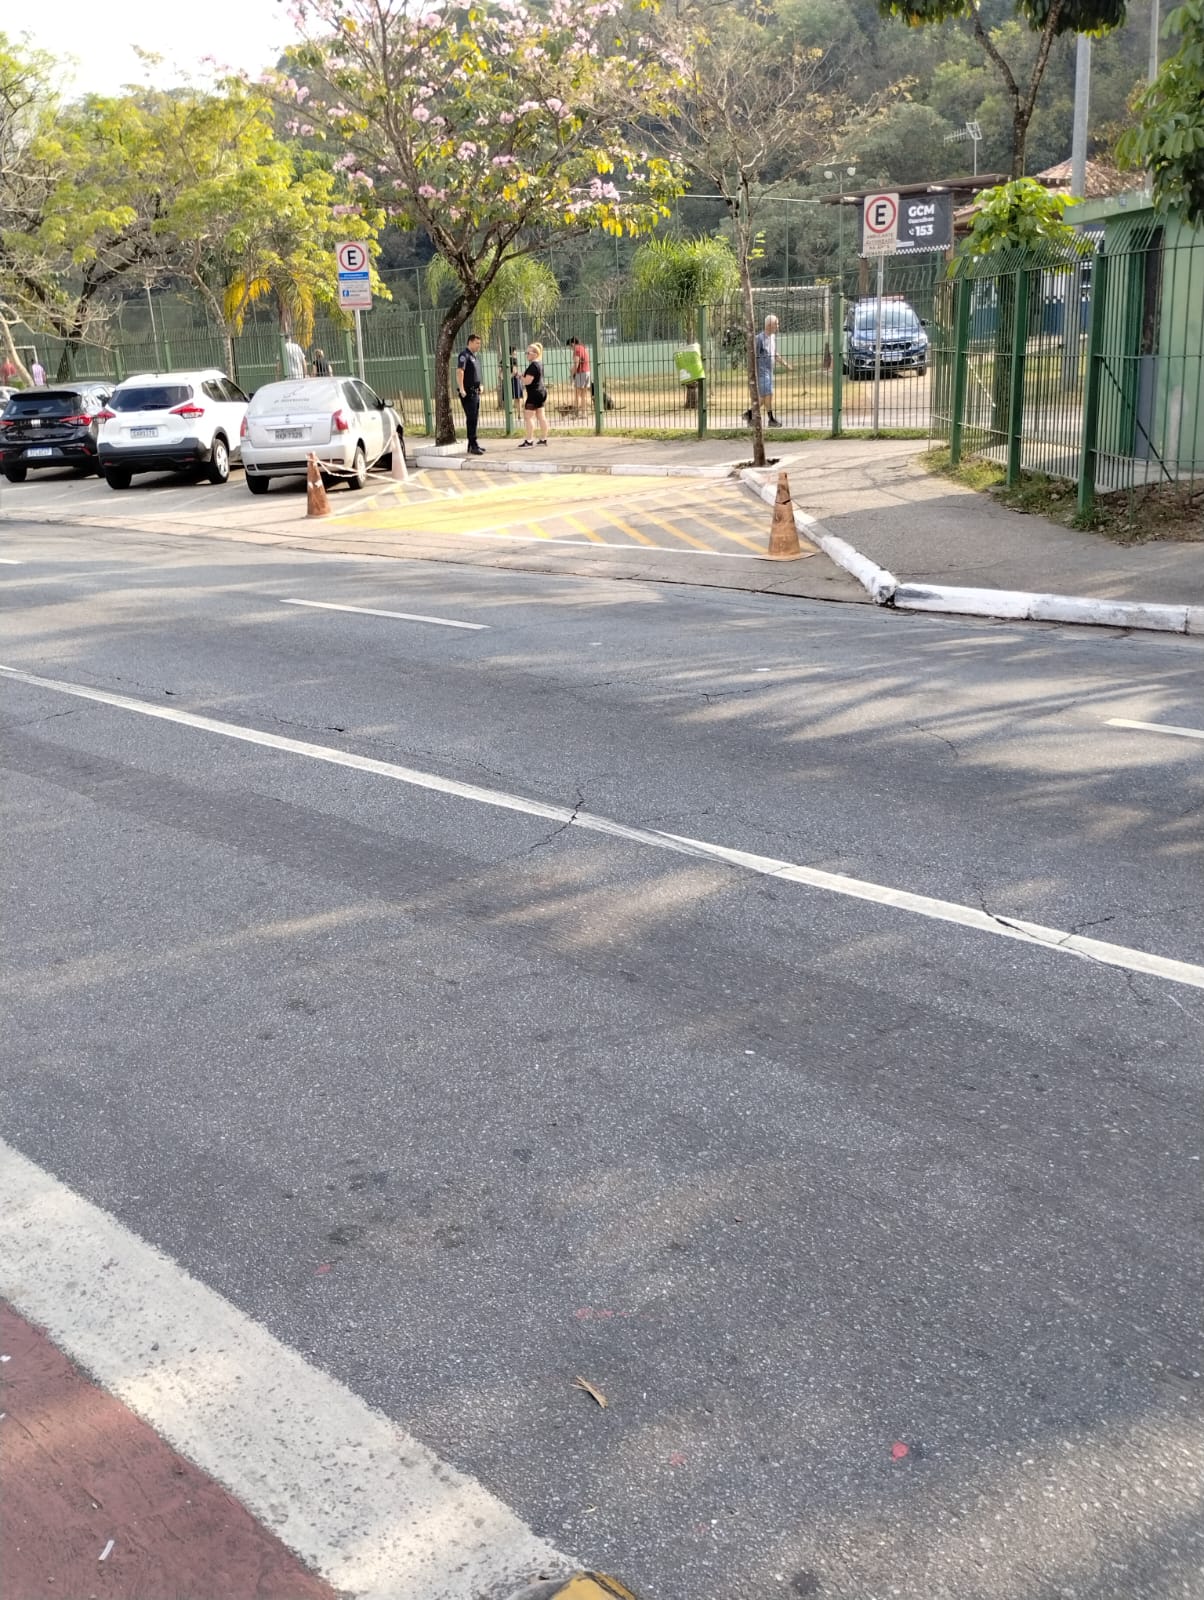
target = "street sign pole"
x: 878, y: 347
x: 359, y: 344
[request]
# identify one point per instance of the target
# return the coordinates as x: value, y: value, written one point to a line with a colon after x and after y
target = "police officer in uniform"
x: 468, y: 382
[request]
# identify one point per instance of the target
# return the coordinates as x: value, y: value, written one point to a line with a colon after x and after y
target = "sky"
x: 238, y: 33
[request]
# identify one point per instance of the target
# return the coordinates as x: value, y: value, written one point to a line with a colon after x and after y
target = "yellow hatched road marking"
x: 576, y: 522
x: 675, y: 532
x: 625, y: 527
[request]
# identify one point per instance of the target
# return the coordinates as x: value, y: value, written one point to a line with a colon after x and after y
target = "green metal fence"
x: 634, y: 345
x: 1088, y: 369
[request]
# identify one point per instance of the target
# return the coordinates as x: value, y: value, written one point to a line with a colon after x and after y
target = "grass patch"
x: 1130, y: 516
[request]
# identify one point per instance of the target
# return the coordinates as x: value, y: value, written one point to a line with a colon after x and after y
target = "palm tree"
x: 521, y: 284
x: 679, y: 275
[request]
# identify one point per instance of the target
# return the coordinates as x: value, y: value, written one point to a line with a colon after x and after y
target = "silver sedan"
x: 339, y: 420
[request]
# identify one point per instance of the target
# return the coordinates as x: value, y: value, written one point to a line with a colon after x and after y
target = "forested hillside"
x: 907, y: 90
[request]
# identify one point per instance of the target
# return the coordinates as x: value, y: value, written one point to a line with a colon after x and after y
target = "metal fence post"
x: 701, y: 334
x: 598, y: 376
x: 424, y: 361
x: 837, y: 362
x: 348, y: 350
x: 1016, y: 387
x: 507, y: 397
x: 961, y: 362
x: 1092, y: 383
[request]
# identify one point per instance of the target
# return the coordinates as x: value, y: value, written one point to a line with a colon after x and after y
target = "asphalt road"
x: 793, y: 1177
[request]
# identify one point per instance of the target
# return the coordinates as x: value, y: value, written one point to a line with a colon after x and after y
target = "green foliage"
x: 520, y: 284
x: 1168, y: 139
x: 1024, y: 215
x: 1073, y: 16
x: 1048, y: 20
x: 681, y: 274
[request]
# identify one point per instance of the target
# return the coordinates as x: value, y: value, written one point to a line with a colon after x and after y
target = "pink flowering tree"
x: 490, y: 125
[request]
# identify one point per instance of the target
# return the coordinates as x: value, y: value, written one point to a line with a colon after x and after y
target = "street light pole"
x: 840, y: 176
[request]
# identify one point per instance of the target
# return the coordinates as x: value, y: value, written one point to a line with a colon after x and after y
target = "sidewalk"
x: 926, y: 529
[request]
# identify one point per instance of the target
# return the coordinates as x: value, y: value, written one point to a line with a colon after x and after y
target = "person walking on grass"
x: 468, y: 382
x: 535, y: 392
x: 580, y: 375
x: 766, y: 348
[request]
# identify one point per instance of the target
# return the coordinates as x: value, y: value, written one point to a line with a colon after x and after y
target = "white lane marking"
x: 7, y: 561
x: 1055, y: 940
x: 1156, y: 727
x: 400, y: 616
x: 375, y: 1512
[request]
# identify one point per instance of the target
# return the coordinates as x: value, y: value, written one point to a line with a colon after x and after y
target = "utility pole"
x: 1155, y: 29
x: 1082, y: 99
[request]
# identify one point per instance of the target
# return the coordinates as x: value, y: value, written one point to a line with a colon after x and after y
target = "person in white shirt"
x: 766, y: 345
x: 294, y: 359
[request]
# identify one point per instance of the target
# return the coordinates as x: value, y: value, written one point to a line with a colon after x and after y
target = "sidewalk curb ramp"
x: 578, y: 1586
x: 1009, y: 605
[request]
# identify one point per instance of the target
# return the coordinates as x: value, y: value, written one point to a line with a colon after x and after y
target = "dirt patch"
x: 1173, y: 513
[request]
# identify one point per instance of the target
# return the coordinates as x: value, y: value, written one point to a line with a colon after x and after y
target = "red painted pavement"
x: 78, y: 1469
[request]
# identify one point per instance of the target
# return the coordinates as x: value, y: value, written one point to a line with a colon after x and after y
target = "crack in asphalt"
x: 932, y: 734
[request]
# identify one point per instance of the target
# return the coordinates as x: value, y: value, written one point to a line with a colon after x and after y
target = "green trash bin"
x: 689, y: 364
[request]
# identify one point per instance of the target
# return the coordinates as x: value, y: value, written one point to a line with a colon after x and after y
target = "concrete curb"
x: 1011, y: 605
x: 432, y: 461
x: 1018, y: 605
x: 878, y: 583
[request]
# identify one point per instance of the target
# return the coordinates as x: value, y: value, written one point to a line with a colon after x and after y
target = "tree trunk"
x: 10, y: 350
x: 75, y: 333
x: 1020, y: 121
x: 750, y: 338
x: 454, y: 318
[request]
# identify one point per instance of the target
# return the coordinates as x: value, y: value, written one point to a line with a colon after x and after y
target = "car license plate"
x: 144, y: 433
x: 42, y: 450
x: 289, y: 433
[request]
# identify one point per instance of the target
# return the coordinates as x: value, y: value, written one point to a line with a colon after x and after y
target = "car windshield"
x: 150, y: 397
x: 898, y: 319
x: 45, y: 403
x: 314, y: 394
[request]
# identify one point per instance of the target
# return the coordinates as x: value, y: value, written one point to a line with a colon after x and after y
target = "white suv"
x: 187, y: 422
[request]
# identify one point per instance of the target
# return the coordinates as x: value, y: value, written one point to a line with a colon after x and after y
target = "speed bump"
x: 579, y: 1586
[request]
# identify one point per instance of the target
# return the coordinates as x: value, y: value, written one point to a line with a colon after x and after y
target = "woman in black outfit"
x: 536, y: 398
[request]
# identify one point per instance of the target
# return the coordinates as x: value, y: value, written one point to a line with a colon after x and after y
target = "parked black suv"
x: 51, y: 428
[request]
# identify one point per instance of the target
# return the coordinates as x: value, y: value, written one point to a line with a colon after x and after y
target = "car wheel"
x: 920, y: 371
x: 118, y: 477
x: 359, y: 469
x: 219, y: 461
x: 15, y: 474
x: 256, y: 484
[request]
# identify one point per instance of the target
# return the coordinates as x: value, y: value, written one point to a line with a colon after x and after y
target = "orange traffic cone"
x: 783, y: 534
x: 316, y: 503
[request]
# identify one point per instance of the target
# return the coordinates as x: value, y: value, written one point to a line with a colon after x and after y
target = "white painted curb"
x: 1021, y: 606
x: 1013, y: 605
x: 875, y: 580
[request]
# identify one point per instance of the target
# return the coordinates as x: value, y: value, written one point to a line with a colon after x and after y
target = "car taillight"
x: 242, y: 432
x: 81, y: 421
x: 188, y: 409
x: 339, y: 423
x: 105, y: 415
x: 7, y: 422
